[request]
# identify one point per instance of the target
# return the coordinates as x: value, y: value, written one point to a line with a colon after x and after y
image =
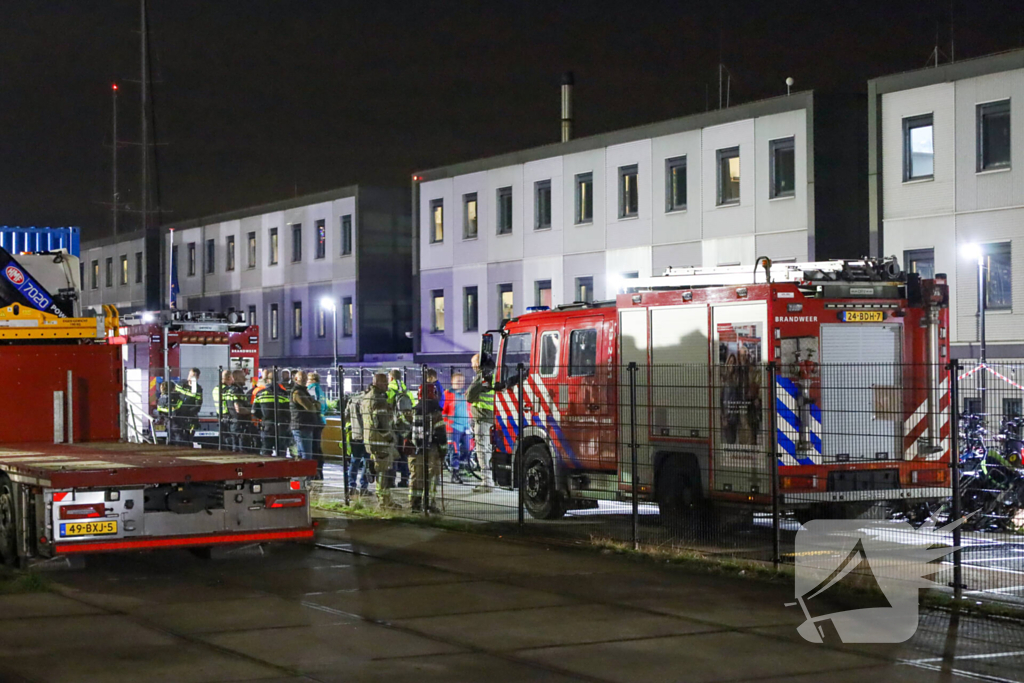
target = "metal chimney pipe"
x: 567, y: 83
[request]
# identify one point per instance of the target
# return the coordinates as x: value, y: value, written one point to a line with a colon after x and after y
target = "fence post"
x: 428, y: 433
x: 519, y: 470
x: 220, y: 407
x: 342, y: 410
x: 633, y: 476
x: 773, y: 454
x: 277, y: 437
x: 171, y: 391
x: 954, y: 472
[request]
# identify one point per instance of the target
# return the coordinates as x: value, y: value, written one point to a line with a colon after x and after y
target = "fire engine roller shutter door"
x: 206, y: 357
x: 633, y: 349
x: 679, y: 371
x: 860, y: 373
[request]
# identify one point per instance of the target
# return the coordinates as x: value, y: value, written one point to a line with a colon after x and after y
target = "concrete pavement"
x: 392, y: 602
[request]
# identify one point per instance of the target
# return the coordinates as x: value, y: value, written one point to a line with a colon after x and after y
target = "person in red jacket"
x: 456, y: 419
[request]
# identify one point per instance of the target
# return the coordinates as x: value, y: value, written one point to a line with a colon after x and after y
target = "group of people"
x: 392, y: 429
x: 392, y: 433
x: 275, y: 417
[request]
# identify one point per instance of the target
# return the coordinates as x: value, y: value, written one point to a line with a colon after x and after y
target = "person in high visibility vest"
x: 263, y: 410
x: 224, y: 398
x: 401, y: 400
x: 191, y: 394
x: 168, y: 404
x: 379, y: 435
x: 480, y: 396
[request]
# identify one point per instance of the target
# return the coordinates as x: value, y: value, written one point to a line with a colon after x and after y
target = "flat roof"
x: 945, y: 73
x: 775, y: 105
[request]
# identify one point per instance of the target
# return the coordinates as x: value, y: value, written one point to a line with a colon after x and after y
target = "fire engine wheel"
x: 8, y: 524
x: 678, y: 494
x: 541, y: 496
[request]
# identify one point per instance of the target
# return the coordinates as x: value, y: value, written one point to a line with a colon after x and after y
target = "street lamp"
x: 328, y: 303
x: 976, y: 253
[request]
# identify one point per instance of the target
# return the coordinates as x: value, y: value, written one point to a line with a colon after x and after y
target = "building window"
x: 998, y: 288
x: 920, y: 261
x: 251, y: 320
x: 504, y: 210
x: 728, y: 176
x: 211, y: 253
x: 124, y: 269
x: 346, y: 235
x: 321, y: 322
x: 296, y: 243
x: 542, y: 293
x: 918, y: 148
x: 585, y: 289
x: 273, y: 321
x: 138, y: 267
x: 582, y: 352
x: 470, y: 309
x: 231, y: 252
x: 628, y: 192
x: 436, y: 221
x: 505, y: 303
x: 437, y: 310
x: 469, y: 216
x: 675, y: 184
x: 297, y: 319
x: 542, y: 204
x: 95, y: 274
x: 972, y: 405
x: 1012, y: 407
x: 273, y: 246
x: 993, y: 135
x: 346, y: 316
x: 321, y: 239
x: 251, y: 250
x: 782, y: 165
x: 584, y: 198
x: 191, y: 258
x: 109, y: 279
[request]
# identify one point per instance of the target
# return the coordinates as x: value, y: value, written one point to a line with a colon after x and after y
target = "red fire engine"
x: 860, y: 396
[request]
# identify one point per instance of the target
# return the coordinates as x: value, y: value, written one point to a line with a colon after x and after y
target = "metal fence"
x: 722, y: 459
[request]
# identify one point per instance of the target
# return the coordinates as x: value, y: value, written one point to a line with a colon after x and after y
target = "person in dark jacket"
x: 305, y: 415
x: 263, y: 408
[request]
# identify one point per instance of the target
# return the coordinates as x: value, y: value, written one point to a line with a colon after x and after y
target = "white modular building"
x: 947, y: 187
x: 784, y: 178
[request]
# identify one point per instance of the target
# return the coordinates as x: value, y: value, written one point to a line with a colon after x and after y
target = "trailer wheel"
x: 8, y: 524
x: 542, y: 498
x: 678, y: 492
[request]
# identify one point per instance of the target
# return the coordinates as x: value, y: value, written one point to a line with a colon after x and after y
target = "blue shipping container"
x: 20, y: 240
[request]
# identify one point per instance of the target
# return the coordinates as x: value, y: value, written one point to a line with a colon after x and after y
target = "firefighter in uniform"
x: 480, y: 397
x: 263, y: 410
x: 241, y: 413
x: 224, y: 399
x: 169, y: 403
x: 431, y: 440
x: 378, y: 435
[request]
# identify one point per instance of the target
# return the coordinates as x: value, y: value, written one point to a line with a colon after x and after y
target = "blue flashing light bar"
x: 18, y: 240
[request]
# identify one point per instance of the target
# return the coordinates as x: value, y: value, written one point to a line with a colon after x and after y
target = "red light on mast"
x: 115, y: 86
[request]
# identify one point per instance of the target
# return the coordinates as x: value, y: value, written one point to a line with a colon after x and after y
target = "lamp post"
x: 328, y: 302
x: 975, y: 252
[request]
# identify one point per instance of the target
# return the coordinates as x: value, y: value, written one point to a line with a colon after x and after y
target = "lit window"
x: 437, y: 310
x: 998, y: 277
x: 675, y: 184
x: 584, y: 198
x: 628, y: 191
x: 273, y: 321
x: 124, y: 269
x: 321, y: 322
x: 505, y: 303
x: 95, y: 274
x: 729, y: 176
x: 297, y: 319
x: 782, y: 164
x: 542, y: 293
x: 993, y: 135
x: 252, y: 250
x: 920, y: 261
x: 252, y: 316
x: 231, y: 252
x: 918, y: 148
x: 273, y: 246
x: 542, y: 205
x: 585, y: 289
x: 321, y: 239
x: 346, y: 316
x: 469, y: 216
x: 504, y: 197
x: 437, y: 220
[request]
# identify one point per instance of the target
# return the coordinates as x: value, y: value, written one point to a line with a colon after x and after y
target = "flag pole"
x: 170, y: 270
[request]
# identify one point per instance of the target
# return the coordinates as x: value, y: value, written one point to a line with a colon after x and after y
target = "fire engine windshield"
x: 515, y: 350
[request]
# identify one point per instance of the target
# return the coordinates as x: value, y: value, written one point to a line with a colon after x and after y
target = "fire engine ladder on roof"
x: 839, y: 270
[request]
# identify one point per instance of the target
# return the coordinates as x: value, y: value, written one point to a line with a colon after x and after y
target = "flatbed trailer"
x: 64, y: 499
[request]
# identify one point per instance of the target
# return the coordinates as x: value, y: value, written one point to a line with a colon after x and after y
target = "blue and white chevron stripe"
x: 787, y: 402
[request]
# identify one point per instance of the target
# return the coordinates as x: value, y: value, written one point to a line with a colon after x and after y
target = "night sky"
x: 260, y: 99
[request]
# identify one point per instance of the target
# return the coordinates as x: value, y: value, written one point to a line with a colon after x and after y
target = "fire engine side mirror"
x: 487, y: 352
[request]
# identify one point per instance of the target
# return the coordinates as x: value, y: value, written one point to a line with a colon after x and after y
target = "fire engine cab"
x: 856, y: 352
